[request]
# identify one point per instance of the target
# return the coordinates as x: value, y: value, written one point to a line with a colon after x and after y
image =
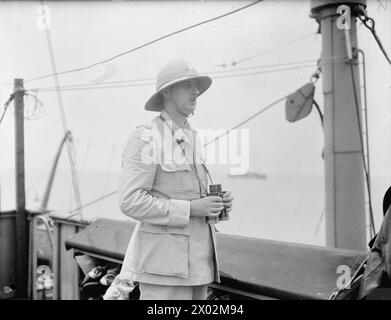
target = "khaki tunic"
x: 167, y: 247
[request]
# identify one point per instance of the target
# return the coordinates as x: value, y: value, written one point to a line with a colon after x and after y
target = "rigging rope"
x: 74, y: 211
x: 55, y: 73
x: 369, y: 23
x: 234, y: 63
x: 2, y: 116
x: 317, y: 228
x: 33, y: 112
x: 248, y: 119
x: 150, y: 81
x: 319, y: 111
x: 11, y: 97
x: 64, y: 123
x: 372, y: 222
x: 366, y: 116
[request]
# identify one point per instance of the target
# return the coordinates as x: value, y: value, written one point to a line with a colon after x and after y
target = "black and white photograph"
x: 222, y: 151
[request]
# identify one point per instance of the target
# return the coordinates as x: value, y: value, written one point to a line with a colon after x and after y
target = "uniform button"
x: 164, y: 229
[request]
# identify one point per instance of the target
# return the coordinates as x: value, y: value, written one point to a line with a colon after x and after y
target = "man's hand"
x: 227, y: 200
x: 206, y: 207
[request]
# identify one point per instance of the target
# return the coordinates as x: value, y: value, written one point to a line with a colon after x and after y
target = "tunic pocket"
x: 176, y: 177
x: 164, y: 250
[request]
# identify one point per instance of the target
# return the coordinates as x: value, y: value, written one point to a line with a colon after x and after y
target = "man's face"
x: 185, y: 94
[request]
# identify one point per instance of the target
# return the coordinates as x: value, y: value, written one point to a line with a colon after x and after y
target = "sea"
x: 282, y: 207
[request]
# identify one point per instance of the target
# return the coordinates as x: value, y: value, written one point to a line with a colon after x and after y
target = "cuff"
x: 179, y: 213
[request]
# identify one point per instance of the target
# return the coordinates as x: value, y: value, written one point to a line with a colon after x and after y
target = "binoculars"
x: 216, y: 190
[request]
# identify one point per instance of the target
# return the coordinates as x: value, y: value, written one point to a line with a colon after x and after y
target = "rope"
x: 6, y: 106
x: 317, y: 228
x: 2, y: 116
x: 75, y: 211
x: 63, y: 120
x: 220, y: 75
x: 234, y: 63
x: 366, y: 117
x: 362, y: 153
x: 382, y: 5
x: 133, y: 82
x: 55, y: 73
x: 247, y: 120
x: 34, y: 114
x: 369, y: 23
x: 318, y: 108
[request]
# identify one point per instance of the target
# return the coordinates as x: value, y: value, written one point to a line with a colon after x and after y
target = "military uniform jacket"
x: 167, y: 246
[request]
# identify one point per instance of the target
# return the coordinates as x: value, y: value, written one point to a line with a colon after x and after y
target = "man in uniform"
x: 164, y: 186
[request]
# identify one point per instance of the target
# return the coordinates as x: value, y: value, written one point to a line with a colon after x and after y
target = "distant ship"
x: 250, y: 175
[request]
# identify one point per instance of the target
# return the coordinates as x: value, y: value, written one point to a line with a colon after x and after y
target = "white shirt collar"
x: 184, y: 134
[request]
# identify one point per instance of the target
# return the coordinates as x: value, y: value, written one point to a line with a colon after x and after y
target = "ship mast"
x: 344, y: 176
x: 22, y: 227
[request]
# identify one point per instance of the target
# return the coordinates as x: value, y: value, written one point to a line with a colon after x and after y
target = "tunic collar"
x: 180, y: 134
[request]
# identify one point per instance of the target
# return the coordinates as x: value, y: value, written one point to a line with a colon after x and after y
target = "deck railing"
x: 7, y: 254
x: 47, y: 235
x: 65, y: 269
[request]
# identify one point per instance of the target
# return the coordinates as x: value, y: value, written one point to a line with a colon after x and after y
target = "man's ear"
x: 165, y: 93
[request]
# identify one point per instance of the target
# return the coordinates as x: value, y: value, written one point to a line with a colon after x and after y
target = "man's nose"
x: 196, y: 91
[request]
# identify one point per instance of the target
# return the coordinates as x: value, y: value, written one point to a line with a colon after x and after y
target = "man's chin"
x: 190, y: 109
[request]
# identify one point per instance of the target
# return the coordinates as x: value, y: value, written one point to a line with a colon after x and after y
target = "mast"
x: 22, y: 227
x: 344, y: 175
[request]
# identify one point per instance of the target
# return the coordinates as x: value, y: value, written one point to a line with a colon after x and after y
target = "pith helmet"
x: 174, y: 72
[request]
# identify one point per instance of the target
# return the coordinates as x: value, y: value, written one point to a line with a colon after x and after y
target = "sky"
x: 267, y: 34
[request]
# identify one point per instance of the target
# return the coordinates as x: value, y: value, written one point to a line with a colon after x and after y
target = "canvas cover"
x: 270, y: 268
